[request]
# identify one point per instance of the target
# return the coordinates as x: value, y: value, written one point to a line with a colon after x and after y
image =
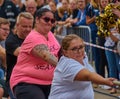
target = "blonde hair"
x: 67, y: 40
x: 95, y: 4
x: 100, y: 6
x: 26, y: 15
x: 4, y: 21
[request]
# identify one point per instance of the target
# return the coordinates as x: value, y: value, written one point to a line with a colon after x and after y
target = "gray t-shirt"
x: 64, y: 86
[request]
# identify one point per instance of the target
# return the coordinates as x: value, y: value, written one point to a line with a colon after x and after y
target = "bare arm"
x: 115, y: 39
x: 116, y: 12
x: 3, y: 56
x: 43, y: 52
x: 72, y: 21
x: 90, y: 20
x: 2, y: 52
x: 85, y: 75
x: 16, y: 52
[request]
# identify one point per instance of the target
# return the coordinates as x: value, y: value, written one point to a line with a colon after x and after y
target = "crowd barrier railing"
x: 85, y: 33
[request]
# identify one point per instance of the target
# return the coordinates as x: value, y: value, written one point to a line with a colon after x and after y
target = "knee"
x: 1, y: 92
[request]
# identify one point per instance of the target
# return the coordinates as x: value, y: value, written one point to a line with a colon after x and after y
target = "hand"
x: 71, y: 21
x: 67, y: 20
x: 110, y: 81
x: 116, y: 12
x: 117, y: 3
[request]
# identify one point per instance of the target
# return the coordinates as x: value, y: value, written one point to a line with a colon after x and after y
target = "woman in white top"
x: 73, y: 74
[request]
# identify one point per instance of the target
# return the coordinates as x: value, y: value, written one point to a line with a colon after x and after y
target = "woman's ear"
x: 65, y: 52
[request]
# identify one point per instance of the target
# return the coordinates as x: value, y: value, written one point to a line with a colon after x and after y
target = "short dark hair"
x: 40, y: 12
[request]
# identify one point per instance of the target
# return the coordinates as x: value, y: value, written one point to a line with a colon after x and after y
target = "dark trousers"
x: 31, y: 91
x: 103, y: 59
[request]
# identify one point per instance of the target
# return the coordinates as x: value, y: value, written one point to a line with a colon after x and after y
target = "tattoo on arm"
x: 43, y: 52
x: 40, y: 48
x: 53, y: 59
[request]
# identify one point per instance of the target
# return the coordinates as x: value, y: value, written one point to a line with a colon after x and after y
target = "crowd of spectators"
x: 18, y: 18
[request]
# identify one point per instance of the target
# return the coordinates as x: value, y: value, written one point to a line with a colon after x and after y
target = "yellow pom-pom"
x: 107, y: 20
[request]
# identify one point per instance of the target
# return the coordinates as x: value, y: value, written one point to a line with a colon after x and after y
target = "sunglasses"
x: 47, y: 19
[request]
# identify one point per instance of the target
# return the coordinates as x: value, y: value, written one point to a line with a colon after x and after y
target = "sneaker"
x: 106, y: 87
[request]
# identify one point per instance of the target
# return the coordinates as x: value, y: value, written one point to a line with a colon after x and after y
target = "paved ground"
x: 104, y: 94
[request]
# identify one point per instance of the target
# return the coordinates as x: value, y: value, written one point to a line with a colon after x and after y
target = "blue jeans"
x: 2, y: 73
x: 10, y: 92
x: 118, y: 63
x: 112, y: 63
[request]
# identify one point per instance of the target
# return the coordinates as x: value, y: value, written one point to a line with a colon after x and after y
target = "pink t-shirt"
x: 31, y: 69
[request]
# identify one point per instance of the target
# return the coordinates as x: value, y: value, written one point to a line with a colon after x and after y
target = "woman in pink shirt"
x: 33, y: 73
